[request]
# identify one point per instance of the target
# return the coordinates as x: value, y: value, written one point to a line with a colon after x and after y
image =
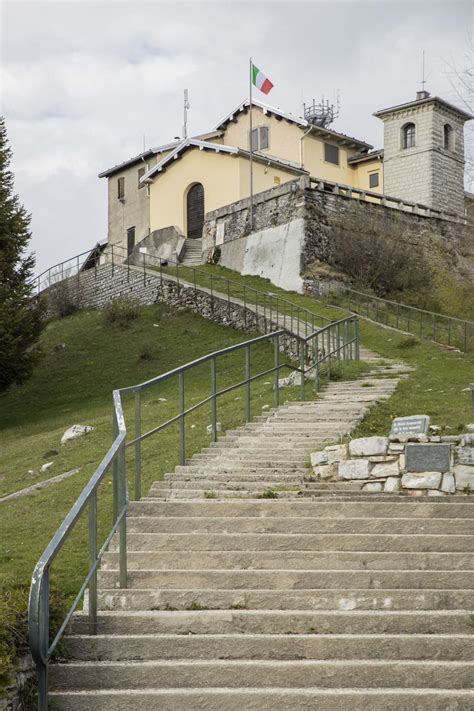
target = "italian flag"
x: 260, y: 80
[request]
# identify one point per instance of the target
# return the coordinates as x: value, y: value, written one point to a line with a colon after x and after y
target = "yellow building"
x: 198, y: 176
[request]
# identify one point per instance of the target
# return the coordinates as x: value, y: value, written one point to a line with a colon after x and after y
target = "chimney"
x: 422, y: 95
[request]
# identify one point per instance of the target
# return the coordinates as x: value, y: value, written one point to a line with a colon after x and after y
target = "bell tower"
x: 424, y: 152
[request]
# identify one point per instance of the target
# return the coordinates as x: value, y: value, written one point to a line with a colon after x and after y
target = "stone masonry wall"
x: 96, y: 288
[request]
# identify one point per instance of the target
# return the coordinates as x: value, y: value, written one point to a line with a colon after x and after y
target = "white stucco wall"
x: 275, y: 253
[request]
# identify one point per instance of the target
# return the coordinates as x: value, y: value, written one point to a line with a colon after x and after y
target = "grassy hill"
x: 84, y: 359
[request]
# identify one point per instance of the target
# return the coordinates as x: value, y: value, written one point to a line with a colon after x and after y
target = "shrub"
x: 149, y: 350
x: 121, y: 312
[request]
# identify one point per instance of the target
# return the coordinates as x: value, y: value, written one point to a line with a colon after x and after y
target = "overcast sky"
x: 84, y: 84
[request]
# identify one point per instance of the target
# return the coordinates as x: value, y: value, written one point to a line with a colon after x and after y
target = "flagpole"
x: 251, y: 164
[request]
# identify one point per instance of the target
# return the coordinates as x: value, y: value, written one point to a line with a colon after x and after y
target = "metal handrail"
x: 444, y: 329
x: 60, y: 271
x: 333, y: 341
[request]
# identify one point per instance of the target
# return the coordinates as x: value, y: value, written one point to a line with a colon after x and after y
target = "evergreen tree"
x: 20, y: 315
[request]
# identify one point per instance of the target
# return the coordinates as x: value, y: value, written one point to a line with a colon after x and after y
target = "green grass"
x: 73, y: 385
x: 436, y: 387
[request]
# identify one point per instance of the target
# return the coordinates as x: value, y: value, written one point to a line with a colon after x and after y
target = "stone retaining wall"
x: 379, y: 464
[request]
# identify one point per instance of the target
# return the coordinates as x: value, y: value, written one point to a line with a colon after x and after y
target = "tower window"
x: 448, y: 137
x: 408, y: 135
x: 373, y: 180
x: 331, y: 153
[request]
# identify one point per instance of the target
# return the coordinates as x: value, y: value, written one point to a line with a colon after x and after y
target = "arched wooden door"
x: 195, y: 211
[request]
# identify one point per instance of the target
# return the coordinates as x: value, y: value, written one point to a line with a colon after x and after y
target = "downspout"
x: 301, y: 144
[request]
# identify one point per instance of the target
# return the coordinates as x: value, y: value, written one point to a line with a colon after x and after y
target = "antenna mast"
x: 187, y: 105
x: 423, y: 80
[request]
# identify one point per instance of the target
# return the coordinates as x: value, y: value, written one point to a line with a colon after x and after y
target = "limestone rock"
x: 392, y: 484
x: 368, y: 446
x: 470, y: 427
x: 354, y: 469
x: 318, y: 458
x: 423, y: 480
x: 448, y: 485
x: 46, y: 466
x: 396, y: 448
x: 373, y: 486
x: 74, y: 432
x: 325, y: 471
x: 383, y: 458
x: 336, y: 453
x: 384, y: 470
x: 436, y: 492
x: 464, y: 477
x: 467, y: 440
x: 218, y: 428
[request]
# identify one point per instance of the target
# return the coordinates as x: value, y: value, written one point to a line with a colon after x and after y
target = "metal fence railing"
x: 443, y: 329
x: 263, y: 304
x: 317, y: 352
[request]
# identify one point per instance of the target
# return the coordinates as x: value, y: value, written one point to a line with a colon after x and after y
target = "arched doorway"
x: 195, y: 211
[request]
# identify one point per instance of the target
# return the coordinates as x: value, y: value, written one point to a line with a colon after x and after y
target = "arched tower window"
x: 448, y: 137
x: 408, y: 135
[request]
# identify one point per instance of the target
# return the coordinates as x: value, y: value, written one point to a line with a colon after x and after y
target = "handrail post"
x: 357, y: 339
x: 92, y: 562
x: 214, y: 398
x: 113, y: 265
x: 123, y: 522
x: 245, y: 309
x: 212, y: 296
x: 182, y: 429
x: 247, y: 386
x: 42, y: 669
x: 177, y: 278
x: 465, y: 336
x: 302, y: 354
x: 338, y: 342
x: 144, y: 270
x: 276, y: 358
x: 138, y: 447
x: 329, y: 352
x: 115, y: 470
x: 316, y: 376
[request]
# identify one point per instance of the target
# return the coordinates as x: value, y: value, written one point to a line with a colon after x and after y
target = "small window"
x: 331, y: 153
x: 448, y: 137
x: 260, y: 138
x: 141, y: 173
x: 373, y: 180
x: 121, y: 188
x: 408, y: 135
x: 130, y: 239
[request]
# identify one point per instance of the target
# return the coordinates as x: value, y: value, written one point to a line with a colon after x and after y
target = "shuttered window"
x: 121, y: 188
x: 373, y: 180
x: 331, y: 153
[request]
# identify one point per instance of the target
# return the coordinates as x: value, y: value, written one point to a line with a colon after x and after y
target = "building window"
x: 260, y: 139
x: 141, y: 173
x: 331, y: 153
x: 121, y: 188
x: 373, y: 180
x: 448, y: 137
x: 408, y: 135
x: 130, y: 240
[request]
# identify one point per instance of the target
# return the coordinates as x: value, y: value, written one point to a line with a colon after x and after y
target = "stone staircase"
x: 191, y: 255
x: 252, y: 586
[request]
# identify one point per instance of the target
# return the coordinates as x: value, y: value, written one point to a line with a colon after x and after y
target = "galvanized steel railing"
x: 447, y: 330
x: 316, y: 352
x: 218, y: 286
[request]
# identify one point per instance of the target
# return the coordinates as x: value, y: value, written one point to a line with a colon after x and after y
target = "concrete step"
x: 267, y: 699
x: 279, y: 621
x: 406, y: 508
x: 284, y: 579
x: 295, y: 541
x: 456, y: 647
x: 329, y: 600
x: 292, y: 560
x: 259, y: 673
x: 299, y: 524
